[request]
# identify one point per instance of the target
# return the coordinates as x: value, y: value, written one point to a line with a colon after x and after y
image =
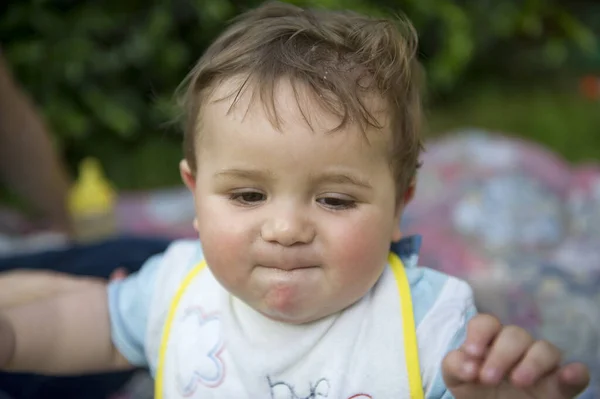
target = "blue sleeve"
x: 129, y: 303
x: 427, y: 288
x: 438, y: 389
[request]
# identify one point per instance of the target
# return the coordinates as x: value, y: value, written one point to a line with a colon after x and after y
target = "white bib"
x: 215, y: 346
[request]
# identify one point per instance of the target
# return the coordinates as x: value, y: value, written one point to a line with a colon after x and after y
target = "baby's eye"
x: 248, y: 197
x: 337, y: 203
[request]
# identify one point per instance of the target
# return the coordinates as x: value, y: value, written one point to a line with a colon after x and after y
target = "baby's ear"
x: 397, y: 233
x: 188, y: 177
x: 402, y: 202
x: 409, y: 194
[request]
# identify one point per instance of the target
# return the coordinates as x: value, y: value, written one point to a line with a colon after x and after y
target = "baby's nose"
x: 287, y: 230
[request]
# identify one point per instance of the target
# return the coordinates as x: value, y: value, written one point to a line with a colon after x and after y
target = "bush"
x: 104, y: 72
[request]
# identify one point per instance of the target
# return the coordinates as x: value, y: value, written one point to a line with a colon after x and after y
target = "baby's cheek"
x: 223, y: 249
x: 360, y: 249
x: 221, y: 234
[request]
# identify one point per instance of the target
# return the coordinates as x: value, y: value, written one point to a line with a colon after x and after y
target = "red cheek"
x: 220, y: 247
x: 359, y: 245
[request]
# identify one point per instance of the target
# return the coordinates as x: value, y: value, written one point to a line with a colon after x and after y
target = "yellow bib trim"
x: 411, y: 347
x: 409, y: 330
x: 162, y: 355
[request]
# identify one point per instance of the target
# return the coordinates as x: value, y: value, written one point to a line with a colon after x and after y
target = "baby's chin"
x: 302, y: 308
x: 286, y: 305
x: 297, y: 297
x: 296, y: 317
x: 289, y: 296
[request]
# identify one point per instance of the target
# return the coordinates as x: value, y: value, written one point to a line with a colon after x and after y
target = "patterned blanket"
x: 523, y: 227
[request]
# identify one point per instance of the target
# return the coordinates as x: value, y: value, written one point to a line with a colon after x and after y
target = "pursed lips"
x: 287, y: 260
x: 288, y: 266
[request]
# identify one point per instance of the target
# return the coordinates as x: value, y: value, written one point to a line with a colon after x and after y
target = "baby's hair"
x: 340, y: 56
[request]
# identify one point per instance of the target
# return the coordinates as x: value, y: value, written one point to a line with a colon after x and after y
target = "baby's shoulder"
x: 443, y: 305
x: 176, y: 262
x: 435, y: 293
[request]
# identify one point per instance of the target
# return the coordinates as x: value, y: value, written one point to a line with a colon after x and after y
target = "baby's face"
x: 296, y: 223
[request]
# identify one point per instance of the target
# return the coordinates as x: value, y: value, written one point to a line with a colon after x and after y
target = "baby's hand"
x: 505, y: 362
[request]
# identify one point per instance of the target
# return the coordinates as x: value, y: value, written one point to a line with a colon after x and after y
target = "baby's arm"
x: 63, y: 334
x: 18, y: 287
x: 21, y: 286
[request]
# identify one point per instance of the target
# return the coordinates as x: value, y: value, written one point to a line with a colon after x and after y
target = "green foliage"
x: 104, y: 73
x: 559, y: 119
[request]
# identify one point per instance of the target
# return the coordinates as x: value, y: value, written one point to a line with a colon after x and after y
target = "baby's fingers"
x: 573, y: 379
x: 541, y: 359
x: 564, y: 383
x: 481, y: 332
x: 458, y: 368
x: 507, y: 350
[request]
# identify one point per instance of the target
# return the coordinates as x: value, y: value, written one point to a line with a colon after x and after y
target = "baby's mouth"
x: 289, y: 267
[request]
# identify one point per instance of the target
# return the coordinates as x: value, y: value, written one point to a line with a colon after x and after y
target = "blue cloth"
x: 97, y: 260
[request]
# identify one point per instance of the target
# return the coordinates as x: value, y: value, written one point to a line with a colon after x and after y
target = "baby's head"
x: 302, y: 138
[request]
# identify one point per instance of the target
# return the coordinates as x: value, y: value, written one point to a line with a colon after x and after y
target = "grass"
x: 558, y: 118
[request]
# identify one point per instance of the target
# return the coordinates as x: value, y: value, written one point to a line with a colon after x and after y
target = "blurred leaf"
x: 115, y: 116
x: 213, y: 13
x: 458, y: 45
x: 531, y: 24
x: 44, y: 21
x: 26, y: 52
x: 582, y: 36
x: 15, y: 16
x: 218, y: 10
x: 505, y: 19
x: 91, y: 19
x: 556, y: 51
x: 69, y: 121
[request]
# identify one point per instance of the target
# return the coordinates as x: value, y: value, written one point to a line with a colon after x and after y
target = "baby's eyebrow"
x: 321, y: 178
x: 343, y: 178
x: 250, y: 174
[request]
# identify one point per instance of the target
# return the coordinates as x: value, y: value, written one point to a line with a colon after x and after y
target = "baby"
x: 302, y: 139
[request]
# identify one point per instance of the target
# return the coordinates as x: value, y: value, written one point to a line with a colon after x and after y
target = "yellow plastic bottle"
x: 92, y: 203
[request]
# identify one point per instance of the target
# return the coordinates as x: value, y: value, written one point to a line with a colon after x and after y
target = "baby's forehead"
x: 284, y: 102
